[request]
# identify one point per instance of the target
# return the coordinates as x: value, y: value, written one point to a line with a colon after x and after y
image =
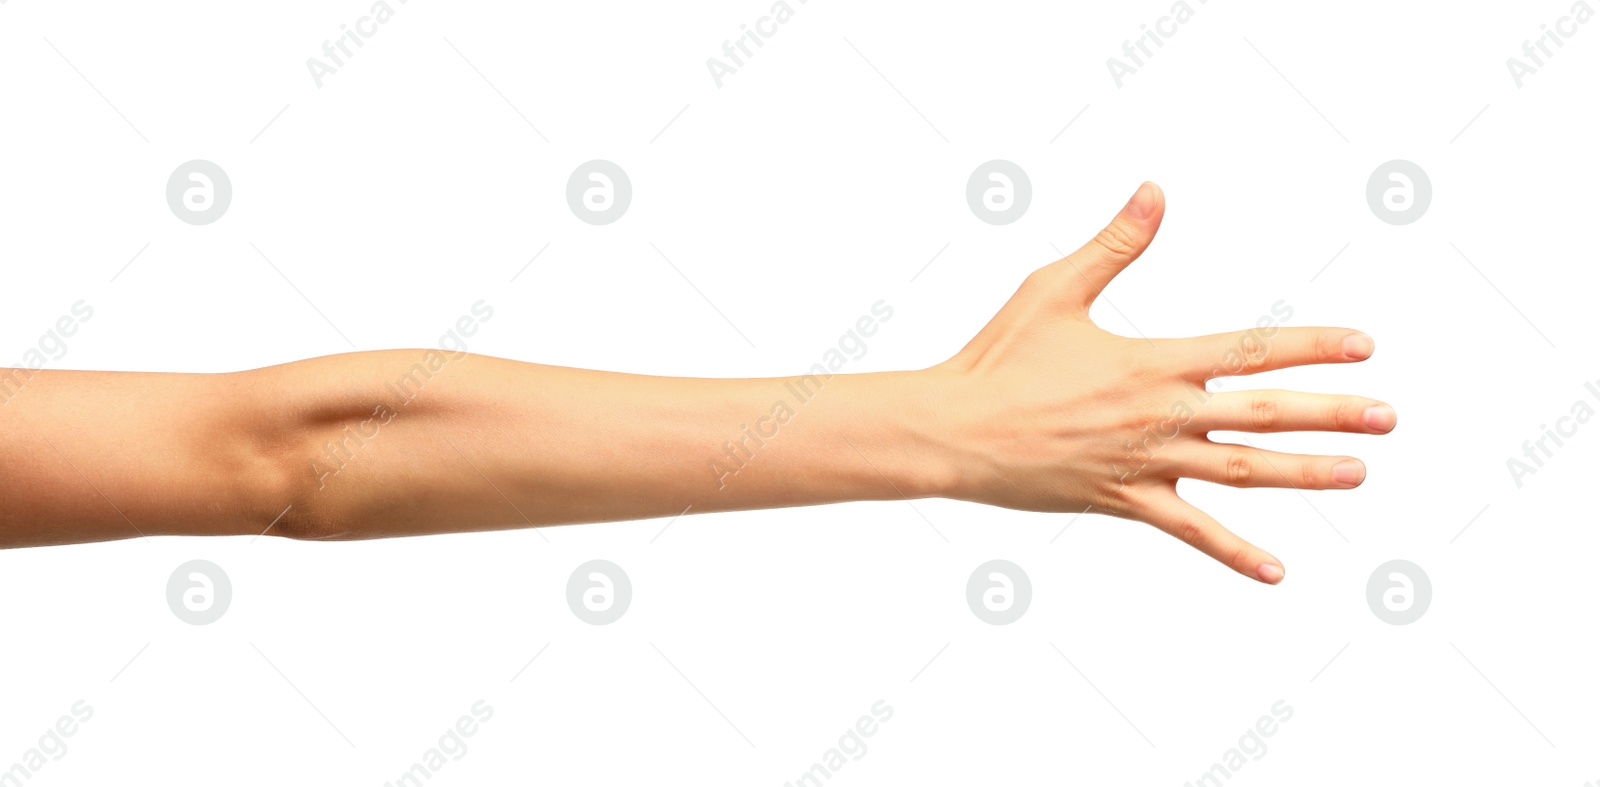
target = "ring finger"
x: 1246, y: 466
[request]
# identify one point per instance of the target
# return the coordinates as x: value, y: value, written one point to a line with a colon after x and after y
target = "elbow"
x: 286, y: 484
x: 283, y: 493
x: 308, y: 507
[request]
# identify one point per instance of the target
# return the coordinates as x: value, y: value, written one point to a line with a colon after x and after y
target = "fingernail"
x: 1379, y: 418
x: 1358, y: 346
x: 1143, y: 201
x: 1270, y: 573
x: 1349, y: 472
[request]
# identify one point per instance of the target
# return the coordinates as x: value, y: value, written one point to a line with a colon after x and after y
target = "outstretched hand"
x: 1052, y: 413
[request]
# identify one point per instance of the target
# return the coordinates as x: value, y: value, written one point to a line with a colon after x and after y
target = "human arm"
x: 1041, y: 411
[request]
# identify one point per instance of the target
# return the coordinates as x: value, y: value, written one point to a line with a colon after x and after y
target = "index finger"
x: 1258, y: 350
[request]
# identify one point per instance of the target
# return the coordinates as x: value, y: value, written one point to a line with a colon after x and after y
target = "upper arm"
x: 95, y: 456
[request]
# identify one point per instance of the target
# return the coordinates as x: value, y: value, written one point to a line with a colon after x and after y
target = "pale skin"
x: 1041, y: 411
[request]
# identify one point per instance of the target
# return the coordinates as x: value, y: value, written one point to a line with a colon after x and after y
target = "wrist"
x: 904, y: 434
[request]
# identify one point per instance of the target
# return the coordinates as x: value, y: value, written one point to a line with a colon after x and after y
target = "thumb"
x: 1091, y: 268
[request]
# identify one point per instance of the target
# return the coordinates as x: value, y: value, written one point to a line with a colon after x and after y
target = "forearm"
x: 395, y: 445
x: 407, y: 442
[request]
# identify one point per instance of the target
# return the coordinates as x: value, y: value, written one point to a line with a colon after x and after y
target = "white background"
x: 419, y: 179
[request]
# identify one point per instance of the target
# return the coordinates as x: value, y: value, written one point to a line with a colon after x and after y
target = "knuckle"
x: 1255, y: 350
x: 1117, y: 241
x: 1264, y: 413
x: 1310, y: 476
x: 1243, y: 559
x: 1122, y: 499
x: 1343, y: 414
x: 1190, y: 532
x: 1047, y: 284
x: 1254, y: 359
x: 1239, y: 468
x: 1327, y: 346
